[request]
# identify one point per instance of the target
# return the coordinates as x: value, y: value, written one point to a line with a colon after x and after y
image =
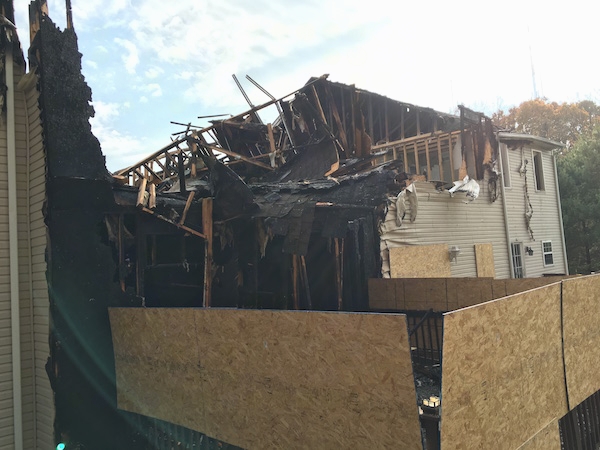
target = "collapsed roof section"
x: 324, y: 129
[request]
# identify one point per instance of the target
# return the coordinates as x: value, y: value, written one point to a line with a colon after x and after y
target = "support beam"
x: 207, y: 228
x: 188, y: 203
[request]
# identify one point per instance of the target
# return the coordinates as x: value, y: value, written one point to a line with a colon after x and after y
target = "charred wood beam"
x: 207, y: 228
x: 175, y: 224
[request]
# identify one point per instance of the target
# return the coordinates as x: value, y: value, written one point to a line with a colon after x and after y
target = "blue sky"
x: 149, y: 64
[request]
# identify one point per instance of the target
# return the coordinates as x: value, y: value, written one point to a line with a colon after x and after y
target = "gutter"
x: 15, y: 326
x: 562, y: 228
x: 505, y: 211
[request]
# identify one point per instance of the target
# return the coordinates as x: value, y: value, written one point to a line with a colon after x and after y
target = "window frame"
x: 544, y: 253
x: 539, y: 180
x: 517, y: 270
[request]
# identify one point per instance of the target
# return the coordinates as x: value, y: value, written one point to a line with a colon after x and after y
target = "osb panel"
x: 426, y: 293
x: 547, y: 438
x: 581, y: 303
x: 516, y: 285
x: 382, y: 293
x: 499, y: 288
x: 484, y: 260
x: 270, y: 379
x: 420, y: 261
x: 502, y: 377
x: 463, y: 292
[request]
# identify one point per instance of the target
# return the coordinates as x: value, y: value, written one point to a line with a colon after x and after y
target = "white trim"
x: 505, y: 166
x: 560, y: 217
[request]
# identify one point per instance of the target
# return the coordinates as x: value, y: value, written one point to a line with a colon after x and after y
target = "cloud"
x: 119, y: 148
x: 131, y: 59
x: 153, y: 89
x: 92, y: 64
x: 154, y: 72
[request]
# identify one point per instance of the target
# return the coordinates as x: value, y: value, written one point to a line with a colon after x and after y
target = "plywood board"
x: 502, y: 377
x: 270, y: 379
x: 463, y: 292
x: 548, y: 438
x: 420, y: 261
x: 382, y: 294
x: 581, y: 316
x: 484, y: 260
x: 426, y: 293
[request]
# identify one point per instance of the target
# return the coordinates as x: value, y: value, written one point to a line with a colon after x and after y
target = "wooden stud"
x: 405, y: 158
x: 338, y: 272
x: 427, y: 158
x: 296, y: 292
x: 237, y: 156
x: 418, y: 122
x: 440, y: 161
x: 207, y: 228
x: 120, y: 238
x: 188, y: 203
x: 141, y: 194
x: 318, y: 104
x: 418, y: 170
x: 152, y: 202
x: 338, y: 121
x: 402, y: 112
x: 304, y: 276
x: 451, y: 158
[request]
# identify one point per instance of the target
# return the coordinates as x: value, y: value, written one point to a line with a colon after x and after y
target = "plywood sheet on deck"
x: 502, y: 377
x: 420, y: 261
x: 484, y: 260
x: 270, y: 379
x: 548, y: 438
x: 581, y: 316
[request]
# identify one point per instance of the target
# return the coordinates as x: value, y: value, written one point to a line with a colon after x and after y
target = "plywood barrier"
x: 502, y: 376
x: 419, y: 261
x: 270, y: 379
x: 581, y: 306
x: 445, y: 294
x: 548, y: 438
x: 484, y: 260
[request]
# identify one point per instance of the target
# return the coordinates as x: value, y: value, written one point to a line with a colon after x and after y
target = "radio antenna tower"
x: 535, y: 92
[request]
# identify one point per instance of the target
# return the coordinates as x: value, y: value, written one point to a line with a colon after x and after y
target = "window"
x: 505, y: 165
x: 547, y: 253
x: 517, y: 259
x: 538, y: 170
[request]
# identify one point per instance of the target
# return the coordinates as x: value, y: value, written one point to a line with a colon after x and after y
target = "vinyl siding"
x: 442, y: 219
x: 37, y: 396
x: 545, y: 221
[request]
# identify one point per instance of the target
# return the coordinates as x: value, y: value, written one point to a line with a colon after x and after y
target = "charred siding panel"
x: 545, y: 222
x: 442, y: 219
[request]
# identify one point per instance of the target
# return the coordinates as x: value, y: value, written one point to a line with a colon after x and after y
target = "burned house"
x: 345, y: 276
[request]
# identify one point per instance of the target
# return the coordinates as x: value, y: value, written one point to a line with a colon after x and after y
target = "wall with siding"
x: 442, y: 219
x: 545, y: 222
x: 37, y: 397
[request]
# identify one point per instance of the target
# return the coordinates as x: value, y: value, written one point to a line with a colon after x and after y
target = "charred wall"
x: 80, y: 263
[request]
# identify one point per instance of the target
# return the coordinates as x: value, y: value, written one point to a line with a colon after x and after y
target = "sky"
x: 149, y: 64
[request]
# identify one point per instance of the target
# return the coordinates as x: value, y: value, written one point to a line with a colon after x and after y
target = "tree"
x: 579, y: 178
x: 562, y: 122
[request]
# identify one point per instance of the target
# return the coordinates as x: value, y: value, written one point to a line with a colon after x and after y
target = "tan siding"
x: 6, y: 391
x: 545, y: 222
x: 442, y: 219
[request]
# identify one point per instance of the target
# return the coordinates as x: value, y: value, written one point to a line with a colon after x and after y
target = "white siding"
x: 37, y: 397
x: 545, y: 221
x: 442, y: 219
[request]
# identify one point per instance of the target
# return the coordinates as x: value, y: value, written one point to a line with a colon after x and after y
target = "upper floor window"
x: 547, y: 253
x: 538, y: 169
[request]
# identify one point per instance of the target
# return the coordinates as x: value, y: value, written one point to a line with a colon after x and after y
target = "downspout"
x: 505, y: 210
x: 562, y: 228
x: 15, y: 326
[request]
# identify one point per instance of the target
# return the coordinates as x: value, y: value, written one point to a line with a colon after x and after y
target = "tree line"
x: 577, y: 125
